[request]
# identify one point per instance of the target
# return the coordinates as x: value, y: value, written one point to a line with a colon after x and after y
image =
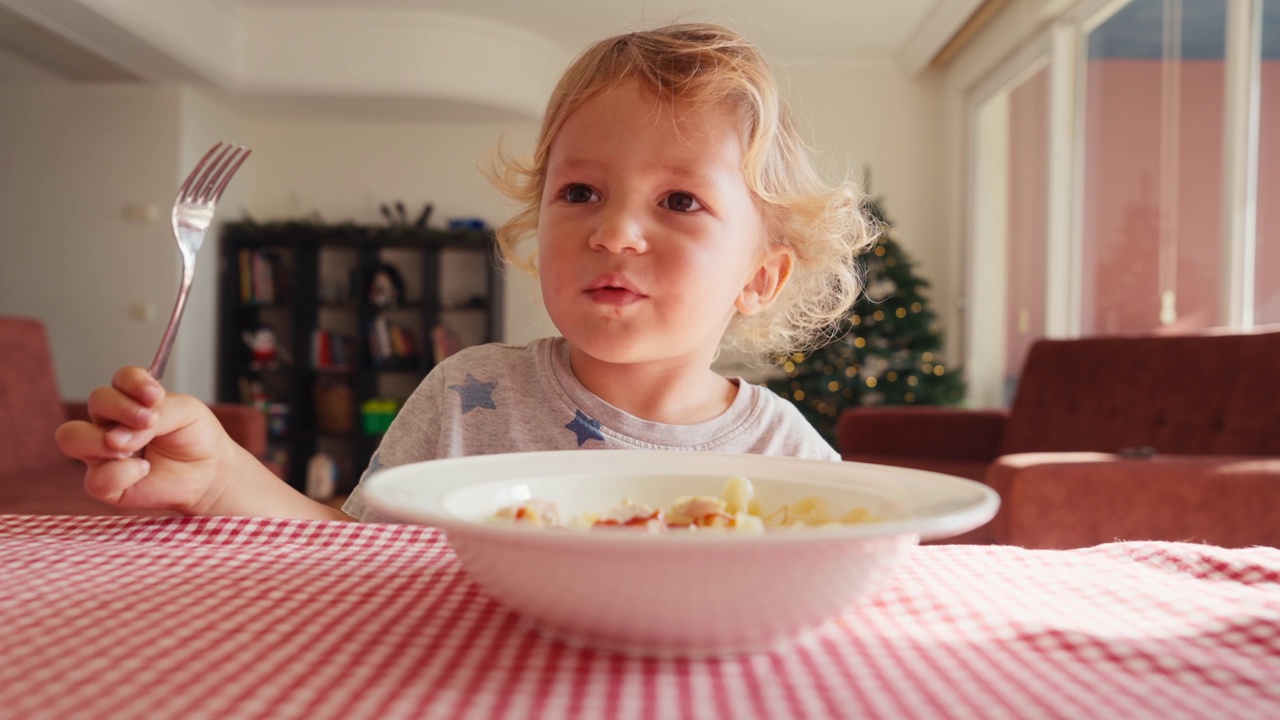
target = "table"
x: 229, y: 617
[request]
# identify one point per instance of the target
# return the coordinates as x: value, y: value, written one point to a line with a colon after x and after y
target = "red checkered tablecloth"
x: 245, y: 618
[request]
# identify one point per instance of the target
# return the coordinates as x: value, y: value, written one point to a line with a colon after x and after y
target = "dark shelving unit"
x: 296, y: 278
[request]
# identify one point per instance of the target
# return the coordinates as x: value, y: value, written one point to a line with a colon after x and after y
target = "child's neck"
x: 675, y: 393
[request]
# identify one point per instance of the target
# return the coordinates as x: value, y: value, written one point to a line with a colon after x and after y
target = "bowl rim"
x: 958, y: 504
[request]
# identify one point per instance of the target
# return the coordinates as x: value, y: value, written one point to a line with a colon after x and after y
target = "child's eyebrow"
x: 571, y: 165
x: 575, y: 164
x: 681, y: 171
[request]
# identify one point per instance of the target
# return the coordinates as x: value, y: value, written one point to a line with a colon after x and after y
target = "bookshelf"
x: 358, y: 314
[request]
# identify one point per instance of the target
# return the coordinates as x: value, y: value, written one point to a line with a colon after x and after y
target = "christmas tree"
x: 886, y: 350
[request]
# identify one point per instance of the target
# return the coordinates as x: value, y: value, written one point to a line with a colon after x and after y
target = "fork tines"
x: 218, y: 165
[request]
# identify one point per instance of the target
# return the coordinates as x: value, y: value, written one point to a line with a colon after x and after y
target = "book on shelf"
x: 391, y: 344
x: 260, y: 274
x: 443, y: 342
x: 331, y: 350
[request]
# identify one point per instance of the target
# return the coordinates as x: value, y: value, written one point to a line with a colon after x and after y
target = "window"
x: 1011, y: 163
x: 1266, y: 293
x: 1152, y: 168
x: 1125, y: 178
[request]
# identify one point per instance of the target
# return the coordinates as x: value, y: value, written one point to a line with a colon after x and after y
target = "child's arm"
x: 188, y: 462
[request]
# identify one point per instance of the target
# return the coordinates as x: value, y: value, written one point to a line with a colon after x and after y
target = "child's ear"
x: 766, y: 283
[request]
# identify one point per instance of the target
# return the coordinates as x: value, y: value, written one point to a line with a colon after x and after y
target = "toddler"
x: 669, y: 209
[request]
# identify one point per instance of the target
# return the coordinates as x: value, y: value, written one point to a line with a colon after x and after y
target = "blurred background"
x: 1050, y: 167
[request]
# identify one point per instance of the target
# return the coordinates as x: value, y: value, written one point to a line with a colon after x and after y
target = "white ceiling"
x: 786, y: 29
x: 466, y: 58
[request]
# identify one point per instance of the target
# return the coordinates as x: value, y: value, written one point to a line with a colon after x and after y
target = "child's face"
x: 649, y: 239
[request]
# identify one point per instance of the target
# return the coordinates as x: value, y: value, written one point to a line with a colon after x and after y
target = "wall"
x: 15, y: 68
x: 74, y: 157
x: 873, y: 117
x: 100, y: 149
x: 343, y: 168
x: 79, y: 156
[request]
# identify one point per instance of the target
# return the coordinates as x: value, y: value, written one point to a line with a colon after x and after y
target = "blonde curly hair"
x: 825, y: 225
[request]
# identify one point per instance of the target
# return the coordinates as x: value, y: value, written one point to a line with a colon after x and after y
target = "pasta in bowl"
x: 736, y: 509
x: 677, y: 593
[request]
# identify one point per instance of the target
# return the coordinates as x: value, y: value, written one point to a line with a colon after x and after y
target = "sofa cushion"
x: 970, y: 469
x: 1201, y: 394
x: 30, y: 407
x: 55, y: 489
x: 1052, y: 500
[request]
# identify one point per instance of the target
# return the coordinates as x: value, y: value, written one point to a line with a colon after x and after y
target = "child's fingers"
x: 109, y: 481
x: 87, y: 442
x: 180, y: 428
x: 109, y: 406
x: 138, y: 384
x: 131, y: 399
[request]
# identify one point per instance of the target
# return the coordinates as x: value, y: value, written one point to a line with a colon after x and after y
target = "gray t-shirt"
x: 507, y: 398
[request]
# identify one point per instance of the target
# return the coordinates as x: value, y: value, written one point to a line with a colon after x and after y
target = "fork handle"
x: 161, y: 359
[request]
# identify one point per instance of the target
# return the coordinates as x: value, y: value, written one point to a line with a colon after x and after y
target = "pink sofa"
x: 1112, y: 438
x: 35, y: 477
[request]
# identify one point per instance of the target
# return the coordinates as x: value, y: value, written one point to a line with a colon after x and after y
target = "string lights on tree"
x: 886, y: 351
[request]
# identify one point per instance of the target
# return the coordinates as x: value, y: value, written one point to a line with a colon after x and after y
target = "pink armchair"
x: 1114, y: 438
x: 35, y: 477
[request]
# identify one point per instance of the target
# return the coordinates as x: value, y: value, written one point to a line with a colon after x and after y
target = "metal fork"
x: 192, y: 214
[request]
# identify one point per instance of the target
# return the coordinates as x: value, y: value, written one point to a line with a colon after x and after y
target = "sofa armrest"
x: 1068, y: 500
x: 245, y: 424
x: 920, y: 431
x: 76, y: 410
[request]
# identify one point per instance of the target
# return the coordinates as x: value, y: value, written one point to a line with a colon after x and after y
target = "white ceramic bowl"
x: 678, y: 593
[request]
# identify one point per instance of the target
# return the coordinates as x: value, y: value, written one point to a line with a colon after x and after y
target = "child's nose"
x: 621, y: 230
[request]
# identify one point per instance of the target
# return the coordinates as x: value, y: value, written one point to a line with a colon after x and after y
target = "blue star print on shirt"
x: 585, y: 428
x: 475, y: 394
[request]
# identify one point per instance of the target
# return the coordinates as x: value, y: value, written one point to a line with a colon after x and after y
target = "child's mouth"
x: 613, y: 295
x: 613, y: 289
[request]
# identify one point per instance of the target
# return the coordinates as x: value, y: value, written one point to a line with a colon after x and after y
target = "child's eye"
x: 579, y: 194
x: 681, y: 202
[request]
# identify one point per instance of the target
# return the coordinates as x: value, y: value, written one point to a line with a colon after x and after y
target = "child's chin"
x: 615, y: 350
x: 629, y: 352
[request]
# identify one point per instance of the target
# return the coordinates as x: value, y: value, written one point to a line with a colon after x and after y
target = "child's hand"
x: 186, y: 455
